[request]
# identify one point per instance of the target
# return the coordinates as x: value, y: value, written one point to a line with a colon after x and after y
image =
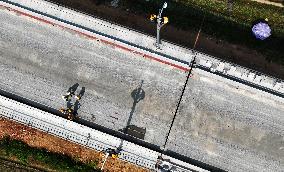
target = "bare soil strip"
x: 39, y: 139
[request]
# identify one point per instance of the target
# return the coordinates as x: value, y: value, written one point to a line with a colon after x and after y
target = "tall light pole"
x: 161, y: 21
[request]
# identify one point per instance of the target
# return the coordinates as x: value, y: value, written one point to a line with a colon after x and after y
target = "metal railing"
x: 84, y: 135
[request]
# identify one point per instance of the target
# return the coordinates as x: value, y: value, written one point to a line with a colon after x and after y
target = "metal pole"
x: 158, y: 32
x: 160, y: 12
x: 104, y: 161
x: 159, y: 18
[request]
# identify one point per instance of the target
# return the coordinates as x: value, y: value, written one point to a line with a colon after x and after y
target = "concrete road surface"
x: 220, y: 122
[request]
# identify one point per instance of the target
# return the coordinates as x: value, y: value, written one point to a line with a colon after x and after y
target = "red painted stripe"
x: 93, y: 37
x: 165, y: 62
x: 136, y: 52
x: 124, y: 48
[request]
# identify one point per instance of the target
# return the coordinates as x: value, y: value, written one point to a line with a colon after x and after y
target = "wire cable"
x: 184, y: 87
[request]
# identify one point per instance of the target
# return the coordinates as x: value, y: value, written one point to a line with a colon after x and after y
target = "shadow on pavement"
x: 137, y: 94
x: 111, y: 132
x: 73, y: 88
x: 71, y: 112
x: 77, y: 103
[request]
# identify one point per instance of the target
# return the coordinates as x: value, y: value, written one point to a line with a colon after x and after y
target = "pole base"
x: 158, y: 46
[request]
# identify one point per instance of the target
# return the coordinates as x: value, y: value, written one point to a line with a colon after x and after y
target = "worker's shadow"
x: 137, y: 94
x: 73, y: 88
x: 77, y: 103
x: 81, y: 93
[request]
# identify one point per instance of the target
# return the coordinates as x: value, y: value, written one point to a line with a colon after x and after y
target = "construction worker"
x: 153, y: 18
x: 78, y: 97
x: 72, y: 110
x: 68, y: 96
x: 69, y: 112
x: 70, y: 116
x: 62, y: 110
x: 165, y: 20
x: 70, y: 92
x: 113, y: 152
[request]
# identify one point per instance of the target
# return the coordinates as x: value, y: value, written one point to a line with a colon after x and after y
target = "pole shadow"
x: 137, y: 95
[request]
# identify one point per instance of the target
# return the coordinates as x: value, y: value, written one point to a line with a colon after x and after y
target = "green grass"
x: 55, y: 161
x: 234, y: 27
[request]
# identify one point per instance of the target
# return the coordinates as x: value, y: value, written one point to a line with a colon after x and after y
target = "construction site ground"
x: 39, y: 139
x: 220, y: 122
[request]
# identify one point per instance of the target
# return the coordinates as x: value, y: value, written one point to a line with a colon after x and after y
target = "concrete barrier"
x: 84, y: 135
x: 267, y: 83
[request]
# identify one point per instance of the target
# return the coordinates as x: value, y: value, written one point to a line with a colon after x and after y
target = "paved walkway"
x: 269, y: 2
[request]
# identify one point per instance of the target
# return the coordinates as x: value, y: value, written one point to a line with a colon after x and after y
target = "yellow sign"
x: 114, y: 156
x: 153, y: 17
x: 165, y: 20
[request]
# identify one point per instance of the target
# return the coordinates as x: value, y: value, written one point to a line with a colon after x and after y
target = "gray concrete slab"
x: 222, y: 123
x: 225, y: 122
x: 41, y: 63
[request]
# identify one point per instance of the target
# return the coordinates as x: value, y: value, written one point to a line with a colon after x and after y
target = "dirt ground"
x: 36, y: 138
x: 238, y: 54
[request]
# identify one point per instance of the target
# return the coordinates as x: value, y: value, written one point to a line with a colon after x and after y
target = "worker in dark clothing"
x: 113, y: 152
x: 67, y: 97
x: 71, y: 92
x: 72, y: 110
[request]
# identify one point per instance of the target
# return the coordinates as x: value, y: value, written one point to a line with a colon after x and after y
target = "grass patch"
x: 234, y: 26
x: 26, y: 154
